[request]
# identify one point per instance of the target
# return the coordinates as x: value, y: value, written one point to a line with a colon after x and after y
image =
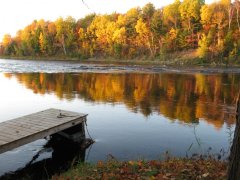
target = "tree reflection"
x: 187, y: 98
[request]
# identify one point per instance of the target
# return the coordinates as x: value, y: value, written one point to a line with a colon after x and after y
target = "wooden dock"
x: 23, y: 130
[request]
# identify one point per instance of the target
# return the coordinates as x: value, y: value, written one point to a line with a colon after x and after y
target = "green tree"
x: 65, y: 33
x: 190, y: 12
x: 203, y: 47
x: 7, y: 43
x: 148, y: 12
x: 171, y: 14
x: 43, y: 43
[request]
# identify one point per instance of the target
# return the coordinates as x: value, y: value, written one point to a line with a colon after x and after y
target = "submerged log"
x: 234, y: 159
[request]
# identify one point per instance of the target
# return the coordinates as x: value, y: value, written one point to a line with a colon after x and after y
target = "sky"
x: 16, y: 14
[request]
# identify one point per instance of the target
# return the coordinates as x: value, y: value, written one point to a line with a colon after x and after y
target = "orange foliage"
x: 187, y: 98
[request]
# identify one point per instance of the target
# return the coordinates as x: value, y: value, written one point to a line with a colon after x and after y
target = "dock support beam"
x: 75, y: 133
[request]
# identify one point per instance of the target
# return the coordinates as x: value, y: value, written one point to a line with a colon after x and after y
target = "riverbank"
x: 57, y: 66
x: 177, y: 169
x: 184, y: 58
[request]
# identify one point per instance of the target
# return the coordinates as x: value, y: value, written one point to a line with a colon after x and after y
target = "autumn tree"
x: 147, y: 27
x: 65, y: 34
x: 130, y: 21
x: 237, y: 8
x: 7, y: 44
x: 190, y: 12
x: 203, y: 49
x: 212, y: 30
x: 171, y: 14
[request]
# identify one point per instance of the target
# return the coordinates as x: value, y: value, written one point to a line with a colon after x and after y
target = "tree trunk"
x: 189, y: 24
x: 218, y: 36
x: 238, y: 17
x: 230, y: 16
x: 238, y: 20
x: 234, y: 159
x: 63, y: 45
x: 175, y: 22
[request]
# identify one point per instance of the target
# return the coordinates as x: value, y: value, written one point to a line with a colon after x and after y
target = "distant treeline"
x: 213, y: 30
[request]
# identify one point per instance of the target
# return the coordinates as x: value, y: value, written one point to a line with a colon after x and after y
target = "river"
x: 134, y: 112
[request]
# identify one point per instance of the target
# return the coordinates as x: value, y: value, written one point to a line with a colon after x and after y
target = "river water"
x: 134, y: 112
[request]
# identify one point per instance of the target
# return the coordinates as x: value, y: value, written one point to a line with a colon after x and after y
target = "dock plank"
x: 20, y: 131
x: 16, y: 127
x: 32, y: 124
x: 13, y: 132
x: 27, y: 126
x: 6, y: 138
x: 3, y: 142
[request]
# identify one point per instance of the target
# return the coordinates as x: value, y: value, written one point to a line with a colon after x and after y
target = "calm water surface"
x: 131, y: 115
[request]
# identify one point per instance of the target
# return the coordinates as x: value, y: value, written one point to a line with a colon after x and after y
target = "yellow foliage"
x: 7, y: 39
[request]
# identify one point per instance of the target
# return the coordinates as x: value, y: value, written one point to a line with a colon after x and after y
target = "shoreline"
x: 180, y: 62
x: 109, y: 66
x: 171, y: 168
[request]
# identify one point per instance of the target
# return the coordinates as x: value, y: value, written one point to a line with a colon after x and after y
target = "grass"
x: 174, y: 169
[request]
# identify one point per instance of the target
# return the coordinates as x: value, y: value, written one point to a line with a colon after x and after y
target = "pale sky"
x: 16, y: 14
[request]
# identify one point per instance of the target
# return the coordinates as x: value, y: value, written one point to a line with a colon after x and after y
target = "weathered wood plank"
x: 3, y: 142
x: 27, y: 126
x: 19, y: 131
x: 34, y: 122
x: 16, y: 127
x: 6, y: 139
x: 34, y: 125
x: 14, y: 133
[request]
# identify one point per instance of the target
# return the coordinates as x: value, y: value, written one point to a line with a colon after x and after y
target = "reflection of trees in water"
x: 65, y: 154
x: 177, y: 96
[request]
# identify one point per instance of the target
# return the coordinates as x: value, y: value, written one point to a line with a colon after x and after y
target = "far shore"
x: 112, y: 65
x: 175, y: 62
